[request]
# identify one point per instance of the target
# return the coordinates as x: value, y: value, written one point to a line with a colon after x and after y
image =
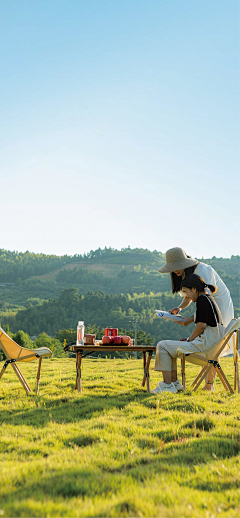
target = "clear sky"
x: 120, y: 125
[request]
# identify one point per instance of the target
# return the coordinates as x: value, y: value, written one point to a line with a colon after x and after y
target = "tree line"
x: 98, y: 309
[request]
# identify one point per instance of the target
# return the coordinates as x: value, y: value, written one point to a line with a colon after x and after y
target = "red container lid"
x: 111, y: 331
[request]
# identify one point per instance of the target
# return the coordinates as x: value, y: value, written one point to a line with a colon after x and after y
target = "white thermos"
x: 80, y: 333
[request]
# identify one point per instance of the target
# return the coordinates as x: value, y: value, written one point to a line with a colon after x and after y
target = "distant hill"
x: 18, y: 266
x: 15, y: 266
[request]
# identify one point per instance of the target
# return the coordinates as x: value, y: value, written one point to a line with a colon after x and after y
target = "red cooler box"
x: 111, y: 331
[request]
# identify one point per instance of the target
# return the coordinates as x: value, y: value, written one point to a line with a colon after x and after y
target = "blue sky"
x: 120, y: 125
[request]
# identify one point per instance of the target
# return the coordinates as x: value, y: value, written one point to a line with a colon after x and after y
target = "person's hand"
x: 182, y: 339
x: 174, y: 311
x: 185, y: 321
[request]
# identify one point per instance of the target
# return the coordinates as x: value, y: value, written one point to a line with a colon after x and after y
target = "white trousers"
x: 166, y: 350
x: 166, y: 355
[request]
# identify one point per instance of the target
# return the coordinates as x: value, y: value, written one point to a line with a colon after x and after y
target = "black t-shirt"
x: 207, y: 312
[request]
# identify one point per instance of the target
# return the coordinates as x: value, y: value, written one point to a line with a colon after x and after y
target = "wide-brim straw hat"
x: 176, y: 259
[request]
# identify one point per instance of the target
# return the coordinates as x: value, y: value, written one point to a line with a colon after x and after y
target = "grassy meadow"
x: 114, y: 450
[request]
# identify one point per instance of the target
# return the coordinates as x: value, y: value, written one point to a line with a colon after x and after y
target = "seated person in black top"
x: 207, y: 311
x: 207, y: 332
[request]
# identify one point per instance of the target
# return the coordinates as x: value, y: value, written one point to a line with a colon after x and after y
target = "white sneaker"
x: 157, y: 390
x: 168, y: 388
x: 178, y: 385
x: 164, y: 387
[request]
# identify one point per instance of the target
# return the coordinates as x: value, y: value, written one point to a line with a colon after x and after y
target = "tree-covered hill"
x: 38, y: 276
x: 15, y: 266
x: 136, y: 280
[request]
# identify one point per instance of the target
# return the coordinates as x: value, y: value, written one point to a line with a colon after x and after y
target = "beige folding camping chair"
x: 15, y: 353
x: 206, y: 360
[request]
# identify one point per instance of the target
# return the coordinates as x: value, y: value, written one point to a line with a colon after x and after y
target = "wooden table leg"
x: 183, y: 362
x: 38, y: 373
x: 144, y: 368
x: 78, y: 384
x: 146, y: 364
x: 147, y: 370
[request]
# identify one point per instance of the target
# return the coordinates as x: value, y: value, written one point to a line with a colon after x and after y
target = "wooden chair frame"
x: 15, y: 353
x: 211, y: 358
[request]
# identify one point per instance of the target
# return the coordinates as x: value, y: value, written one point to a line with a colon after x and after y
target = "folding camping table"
x: 83, y: 350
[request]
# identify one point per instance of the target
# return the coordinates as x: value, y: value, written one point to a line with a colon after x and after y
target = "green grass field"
x: 115, y: 450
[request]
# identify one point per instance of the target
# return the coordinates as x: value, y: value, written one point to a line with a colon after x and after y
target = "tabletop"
x: 123, y: 348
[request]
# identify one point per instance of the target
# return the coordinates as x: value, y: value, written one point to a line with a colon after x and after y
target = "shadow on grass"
x: 67, y: 484
x: 64, y: 410
x: 68, y: 408
x: 177, y: 452
x: 100, y: 481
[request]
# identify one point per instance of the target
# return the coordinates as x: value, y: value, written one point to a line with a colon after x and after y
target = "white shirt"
x: 222, y: 296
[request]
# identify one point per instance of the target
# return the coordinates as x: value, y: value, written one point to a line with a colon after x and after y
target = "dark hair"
x: 177, y: 281
x: 194, y: 281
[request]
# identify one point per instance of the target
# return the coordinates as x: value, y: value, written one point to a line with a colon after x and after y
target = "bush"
x: 22, y: 339
x: 43, y: 340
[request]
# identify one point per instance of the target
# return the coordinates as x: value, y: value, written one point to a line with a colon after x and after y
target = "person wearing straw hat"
x: 180, y: 265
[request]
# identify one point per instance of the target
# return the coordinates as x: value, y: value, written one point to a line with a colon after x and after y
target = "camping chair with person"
x: 212, y: 357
